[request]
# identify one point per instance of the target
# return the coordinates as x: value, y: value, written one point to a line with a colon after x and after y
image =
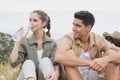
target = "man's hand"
x: 99, y: 64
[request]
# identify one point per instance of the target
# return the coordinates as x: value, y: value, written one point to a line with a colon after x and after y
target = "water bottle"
x: 20, y: 33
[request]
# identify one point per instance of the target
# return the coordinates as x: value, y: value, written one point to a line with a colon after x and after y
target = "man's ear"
x: 89, y: 27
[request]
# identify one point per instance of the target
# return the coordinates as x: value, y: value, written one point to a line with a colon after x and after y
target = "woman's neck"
x: 39, y: 35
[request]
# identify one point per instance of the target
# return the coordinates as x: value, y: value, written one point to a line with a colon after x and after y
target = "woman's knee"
x: 46, y: 66
x: 28, y: 63
x: 29, y: 70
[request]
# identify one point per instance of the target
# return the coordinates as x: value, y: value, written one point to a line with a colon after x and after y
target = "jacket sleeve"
x: 53, y: 47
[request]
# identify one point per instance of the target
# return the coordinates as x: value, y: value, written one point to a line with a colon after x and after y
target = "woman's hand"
x: 53, y: 76
x: 19, y: 35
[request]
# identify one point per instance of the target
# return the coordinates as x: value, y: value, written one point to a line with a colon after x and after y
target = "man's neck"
x: 85, y: 43
x: 85, y: 39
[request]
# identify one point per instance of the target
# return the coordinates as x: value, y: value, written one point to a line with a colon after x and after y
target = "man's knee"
x: 112, y: 66
x: 72, y: 73
x: 112, y: 72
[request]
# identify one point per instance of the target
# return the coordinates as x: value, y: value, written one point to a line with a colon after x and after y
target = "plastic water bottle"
x: 20, y: 33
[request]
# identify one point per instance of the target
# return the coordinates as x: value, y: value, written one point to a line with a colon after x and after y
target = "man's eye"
x: 77, y: 25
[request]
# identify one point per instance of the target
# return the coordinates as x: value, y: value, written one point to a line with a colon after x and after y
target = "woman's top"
x: 39, y: 53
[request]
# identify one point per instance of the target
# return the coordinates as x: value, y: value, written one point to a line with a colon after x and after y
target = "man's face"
x: 79, y: 29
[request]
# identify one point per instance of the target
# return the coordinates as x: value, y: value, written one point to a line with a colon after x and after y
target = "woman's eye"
x: 35, y: 20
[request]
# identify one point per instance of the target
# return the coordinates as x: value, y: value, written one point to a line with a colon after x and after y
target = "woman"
x: 29, y: 51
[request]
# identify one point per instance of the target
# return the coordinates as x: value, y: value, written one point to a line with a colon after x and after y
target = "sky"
x: 15, y: 13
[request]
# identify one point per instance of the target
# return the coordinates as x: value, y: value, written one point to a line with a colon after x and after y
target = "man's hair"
x: 86, y: 17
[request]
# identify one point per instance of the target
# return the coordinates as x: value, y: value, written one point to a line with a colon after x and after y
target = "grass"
x: 8, y: 73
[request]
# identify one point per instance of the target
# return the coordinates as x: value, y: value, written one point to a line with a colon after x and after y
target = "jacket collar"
x: 91, y: 39
x: 33, y: 40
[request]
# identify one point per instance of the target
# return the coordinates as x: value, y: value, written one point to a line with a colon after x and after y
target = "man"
x: 80, y: 52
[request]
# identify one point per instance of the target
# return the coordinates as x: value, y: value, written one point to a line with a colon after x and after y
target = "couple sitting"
x: 79, y: 52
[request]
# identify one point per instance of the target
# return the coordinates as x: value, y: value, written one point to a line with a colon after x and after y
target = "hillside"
x: 6, y: 44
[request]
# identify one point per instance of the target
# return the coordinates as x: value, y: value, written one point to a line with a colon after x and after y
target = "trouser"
x: 89, y: 74
x: 28, y: 69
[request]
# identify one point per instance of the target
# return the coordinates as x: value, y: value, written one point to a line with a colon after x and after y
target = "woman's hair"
x: 44, y: 17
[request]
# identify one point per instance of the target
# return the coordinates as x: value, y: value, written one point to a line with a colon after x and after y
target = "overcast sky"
x: 15, y: 13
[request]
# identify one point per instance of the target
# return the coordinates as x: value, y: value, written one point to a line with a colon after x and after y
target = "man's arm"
x: 111, y: 56
x: 67, y: 57
x: 114, y: 55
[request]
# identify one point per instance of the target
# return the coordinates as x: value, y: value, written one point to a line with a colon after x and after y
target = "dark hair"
x: 86, y: 17
x: 44, y: 17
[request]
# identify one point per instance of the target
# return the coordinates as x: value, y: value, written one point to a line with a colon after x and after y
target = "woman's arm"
x: 14, y: 53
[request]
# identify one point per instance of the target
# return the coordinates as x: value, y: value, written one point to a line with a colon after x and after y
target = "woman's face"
x: 35, y: 22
